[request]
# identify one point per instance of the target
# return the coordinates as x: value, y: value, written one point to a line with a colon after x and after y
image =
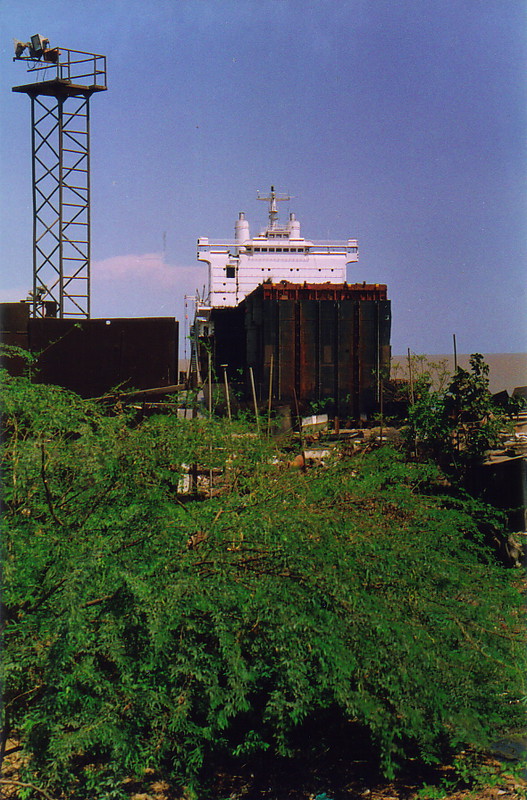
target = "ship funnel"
x: 241, y: 229
x: 294, y: 227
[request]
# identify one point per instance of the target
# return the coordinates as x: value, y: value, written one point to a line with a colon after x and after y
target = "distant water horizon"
x: 507, y: 371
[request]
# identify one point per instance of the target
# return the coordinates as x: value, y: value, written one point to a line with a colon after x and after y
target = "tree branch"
x: 45, y: 482
x: 9, y: 782
x: 23, y: 694
x: 31, y: 608
x: 99, y: 600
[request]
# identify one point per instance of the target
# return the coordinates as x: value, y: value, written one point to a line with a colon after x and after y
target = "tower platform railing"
x: 73, y: 66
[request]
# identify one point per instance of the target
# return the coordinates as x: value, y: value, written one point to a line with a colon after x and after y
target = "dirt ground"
x: 303, y: 782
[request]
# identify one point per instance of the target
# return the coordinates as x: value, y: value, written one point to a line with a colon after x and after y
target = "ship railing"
x: 277, y: 243
x: 334, y: 243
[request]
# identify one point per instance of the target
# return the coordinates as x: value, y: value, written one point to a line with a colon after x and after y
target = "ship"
x: 278, y: 253
x: 279, y: 321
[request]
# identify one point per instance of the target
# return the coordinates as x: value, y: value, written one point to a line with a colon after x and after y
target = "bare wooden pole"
x: 299, y: 418
x: 410, y: 376
x: 381, y: 406
x: 455, y: 352
x: 270, y: 396
x: 254, y: 400
x: 227, y: 393
x: 209, y: 379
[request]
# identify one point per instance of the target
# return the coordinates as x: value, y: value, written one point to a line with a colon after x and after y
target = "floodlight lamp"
x: 51, y: 55
x: 38, y: 45
x: 19, y: 47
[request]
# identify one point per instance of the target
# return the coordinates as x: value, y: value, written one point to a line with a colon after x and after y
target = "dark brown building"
x: 93, y: 356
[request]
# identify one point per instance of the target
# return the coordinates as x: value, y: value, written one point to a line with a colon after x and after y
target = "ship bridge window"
x: 230, y: 272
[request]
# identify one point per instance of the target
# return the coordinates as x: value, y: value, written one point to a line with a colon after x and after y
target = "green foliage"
x: 475, y: 771
x: 323, y: 406
x: 144, y: 629
x: 14, y: 351
x: 419, y: 368
x: 455, y: 425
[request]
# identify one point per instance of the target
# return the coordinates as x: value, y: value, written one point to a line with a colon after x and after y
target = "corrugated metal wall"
x: 92, y: 356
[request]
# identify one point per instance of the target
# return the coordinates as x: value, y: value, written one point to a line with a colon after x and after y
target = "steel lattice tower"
x: 60, y: 135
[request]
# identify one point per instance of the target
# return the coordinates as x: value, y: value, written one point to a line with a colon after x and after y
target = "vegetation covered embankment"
x: 149, y: 630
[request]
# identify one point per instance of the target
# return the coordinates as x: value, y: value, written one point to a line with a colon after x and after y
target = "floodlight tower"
x: 60, y: 135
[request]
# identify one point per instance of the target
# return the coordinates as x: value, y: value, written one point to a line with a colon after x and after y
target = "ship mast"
x: 273, y: 199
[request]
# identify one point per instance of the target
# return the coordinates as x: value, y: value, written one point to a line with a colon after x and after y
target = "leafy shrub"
x: 456, y: 424
x: 145, y: 630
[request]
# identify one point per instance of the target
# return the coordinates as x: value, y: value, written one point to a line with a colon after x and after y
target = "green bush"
x: 458, y: 423
x: 148, y: 630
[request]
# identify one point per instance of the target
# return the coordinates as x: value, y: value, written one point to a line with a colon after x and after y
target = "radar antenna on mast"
x: 273, y: 199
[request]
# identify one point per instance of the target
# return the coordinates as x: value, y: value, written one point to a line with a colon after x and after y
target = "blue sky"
x: 402, y: 124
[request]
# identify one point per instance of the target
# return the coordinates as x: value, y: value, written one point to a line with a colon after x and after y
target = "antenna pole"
x: 273, y: 198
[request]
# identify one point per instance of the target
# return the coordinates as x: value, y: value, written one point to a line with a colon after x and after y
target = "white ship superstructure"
x: 279, y: 253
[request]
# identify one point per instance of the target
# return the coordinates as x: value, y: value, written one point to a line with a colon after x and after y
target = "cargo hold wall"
x: 321, y: 344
